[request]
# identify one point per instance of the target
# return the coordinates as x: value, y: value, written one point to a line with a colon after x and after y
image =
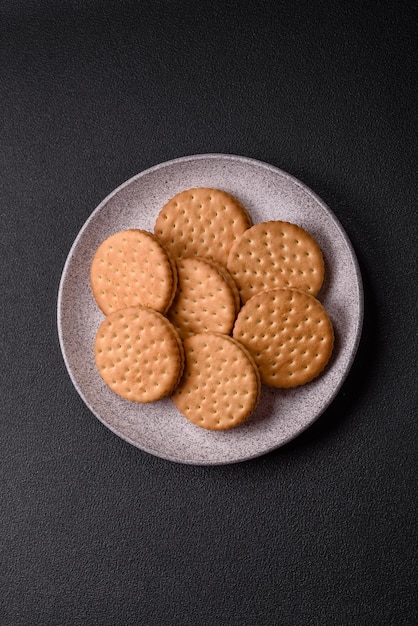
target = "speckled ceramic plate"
x: 269, y: 194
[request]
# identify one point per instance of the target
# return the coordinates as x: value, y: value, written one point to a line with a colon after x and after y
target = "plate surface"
x: 269, y: 194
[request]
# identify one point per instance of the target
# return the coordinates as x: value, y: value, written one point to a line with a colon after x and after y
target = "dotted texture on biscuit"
x: 228, y: 277
x: 204, y: 300
x: 201, y: 222
x: 276, y: 254
x: 289, y: 335
x: 220, y: 386
x: 132, y: 268
x: 139, y: 354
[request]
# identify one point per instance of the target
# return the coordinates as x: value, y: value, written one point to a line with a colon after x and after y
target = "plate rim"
x: 252, y: 162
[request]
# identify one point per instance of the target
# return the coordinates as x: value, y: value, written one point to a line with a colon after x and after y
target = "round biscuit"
x: 221, y: 385
x: 139, y: 354
x: 132, y: 268
x: 288, y: 333
x: 204, y: 300
x: 201, y: 222
x: 227, y: 276
x: 276, y: 254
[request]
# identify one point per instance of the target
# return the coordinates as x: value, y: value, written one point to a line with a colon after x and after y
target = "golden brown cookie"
x: 227, y: 276
x: 132, y: 268
x: 204, y: 300
x: 288, y: 333
x: 220, y: 386
x: 276, y: 254
x: 201, y: 222
x: 139, y: 354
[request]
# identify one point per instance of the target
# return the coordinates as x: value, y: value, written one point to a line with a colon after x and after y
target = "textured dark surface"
x: 93, y: 531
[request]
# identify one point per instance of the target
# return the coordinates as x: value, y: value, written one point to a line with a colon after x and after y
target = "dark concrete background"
x: 94, y: 531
